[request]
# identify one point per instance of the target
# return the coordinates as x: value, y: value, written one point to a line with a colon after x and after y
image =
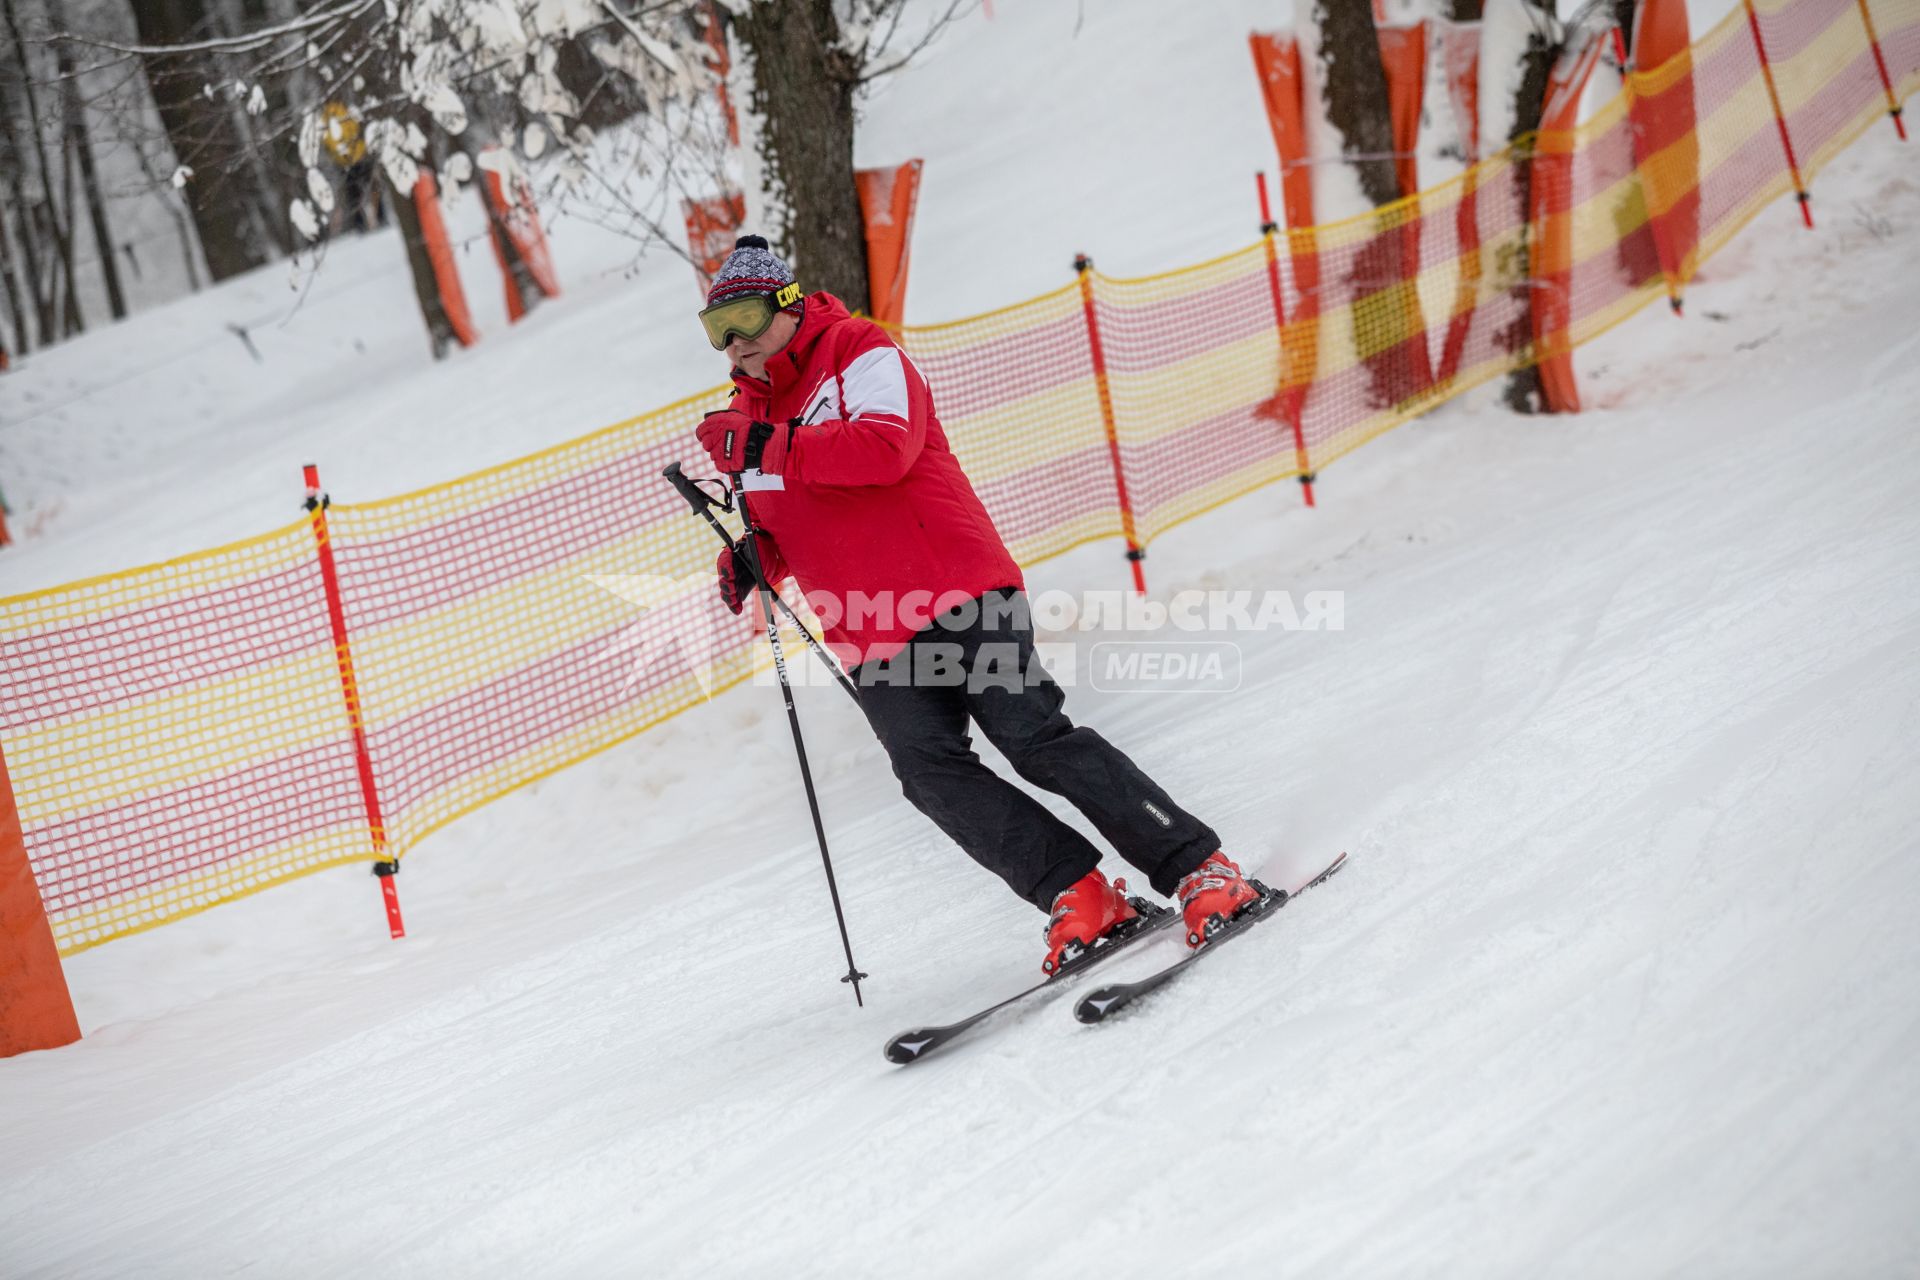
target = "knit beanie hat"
x: 750, y: 268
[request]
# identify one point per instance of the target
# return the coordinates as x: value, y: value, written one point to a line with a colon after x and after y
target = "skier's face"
x: 751, y: 354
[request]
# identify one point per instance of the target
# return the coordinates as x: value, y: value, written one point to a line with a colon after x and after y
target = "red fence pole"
x: 1886, y: 81
x: 1289, y: 397
x: 35, y: 1010
x: 1135, y: 552
x: 384, y: 867
x: 1779, y: 116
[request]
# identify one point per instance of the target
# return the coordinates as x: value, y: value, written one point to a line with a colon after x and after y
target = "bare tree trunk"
x: 37, y: 288
x: 302, y: 87
x: 1524, y: 392
x: 82, y: 143
x: 1356, y: 94
x: 178, y: 210
x: 238, y: 222
x: 69, y: 203
x: 63, y: 244
x: 803, y: 87
x: 40, y: 289
x: 8, y: 278
x: 1389, y: 333
x: 426, y: 287
x: 266, y: 182
x: 13, y: 197
x: 478, y: 136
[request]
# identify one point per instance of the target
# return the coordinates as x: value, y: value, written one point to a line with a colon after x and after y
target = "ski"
x: 912, y: 1046
x: 1103, y: 1002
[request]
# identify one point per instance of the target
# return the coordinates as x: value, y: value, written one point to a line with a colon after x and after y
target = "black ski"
x: 1103, y: 1002
x: 911, y: 1046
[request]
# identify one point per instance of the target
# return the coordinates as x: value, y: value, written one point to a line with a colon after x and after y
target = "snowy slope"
x: 1621, y: 733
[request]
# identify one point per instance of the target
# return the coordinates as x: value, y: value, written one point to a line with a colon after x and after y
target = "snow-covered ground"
x: 1621, y: 733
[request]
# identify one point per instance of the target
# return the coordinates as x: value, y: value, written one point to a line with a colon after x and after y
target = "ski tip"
x: 908, y: 1046
x: 1332, y: 868
x: 1095, y: 1006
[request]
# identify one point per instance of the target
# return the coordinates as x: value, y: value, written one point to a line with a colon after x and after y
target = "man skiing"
x: 858, y: 496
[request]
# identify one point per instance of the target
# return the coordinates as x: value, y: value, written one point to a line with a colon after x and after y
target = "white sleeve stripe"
x: 876, y: 385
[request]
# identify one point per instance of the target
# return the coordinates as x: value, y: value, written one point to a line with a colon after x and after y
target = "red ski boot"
x: 1215, y: 890
x: 1088, y: 910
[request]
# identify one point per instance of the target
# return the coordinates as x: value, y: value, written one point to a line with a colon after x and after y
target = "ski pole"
x: 750, y: 548
x: 698, y: 499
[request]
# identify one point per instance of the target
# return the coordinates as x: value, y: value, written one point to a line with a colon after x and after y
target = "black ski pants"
x: 976, y: 661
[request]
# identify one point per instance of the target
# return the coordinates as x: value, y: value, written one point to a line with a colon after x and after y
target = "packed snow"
x: 1620, y: 732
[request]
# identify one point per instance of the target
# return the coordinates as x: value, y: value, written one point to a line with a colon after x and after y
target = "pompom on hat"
x: 753, y: 267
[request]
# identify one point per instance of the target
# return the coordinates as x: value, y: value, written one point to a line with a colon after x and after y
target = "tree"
x: 19, y: 227
x: 1354, y: 93
x: 1520, y: 39
x: 80, y: 146
x: 420, y: 79
x: 1389, y: 333
x: 9, y: 278
x: 247, y: 90
x: 810, y: 61
x: 804, y: 81
x: 238, y: 215
x: 58, y: 216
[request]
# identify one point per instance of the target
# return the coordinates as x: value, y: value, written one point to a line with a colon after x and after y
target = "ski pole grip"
x: 696, y: 499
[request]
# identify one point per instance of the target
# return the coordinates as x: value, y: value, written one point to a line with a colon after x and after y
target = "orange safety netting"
x: 180, y: 735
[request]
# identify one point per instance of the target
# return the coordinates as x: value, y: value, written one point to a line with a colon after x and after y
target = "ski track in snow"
x: 1621, y: 734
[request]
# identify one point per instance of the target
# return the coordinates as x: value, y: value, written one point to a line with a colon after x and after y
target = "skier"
x: 857, y: 495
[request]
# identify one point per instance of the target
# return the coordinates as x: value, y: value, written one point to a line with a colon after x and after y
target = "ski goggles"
x: 746, y: 316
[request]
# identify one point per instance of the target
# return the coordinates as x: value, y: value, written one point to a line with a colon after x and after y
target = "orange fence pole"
x: 888, y: 197
x: 35, y: 1010
x: 1880, y: 61
x: 1135, y: 553
x: 1289, y: 397
x: 511, y: 213
x: 1664, y: 129
x: 384, y: 867
x: 1779, y: 116
x: 722, y: 65
x: 446, y: 273
x: 713, y: 224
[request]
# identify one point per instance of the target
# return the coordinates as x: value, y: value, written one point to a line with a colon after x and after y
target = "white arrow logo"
x: 679, y: 625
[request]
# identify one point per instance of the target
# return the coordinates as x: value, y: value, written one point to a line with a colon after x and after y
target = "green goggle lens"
x: 748, y: 315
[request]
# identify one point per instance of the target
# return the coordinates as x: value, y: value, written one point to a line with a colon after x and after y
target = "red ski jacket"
x: 871, y: 512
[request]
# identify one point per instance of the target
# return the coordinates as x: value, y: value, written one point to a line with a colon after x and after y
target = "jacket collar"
x: 822, y: 312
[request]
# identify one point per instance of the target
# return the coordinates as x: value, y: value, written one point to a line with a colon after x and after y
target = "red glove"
x: 736, y: 580
x: 737, y: 443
